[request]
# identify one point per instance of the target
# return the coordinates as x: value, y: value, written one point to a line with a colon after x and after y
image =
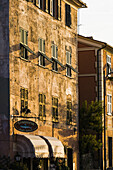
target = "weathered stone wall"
x: 37, y: 79
x: 4, y: 77
x: 109, y: 118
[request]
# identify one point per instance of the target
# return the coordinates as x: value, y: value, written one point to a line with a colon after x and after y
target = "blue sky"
x: 97, y: 20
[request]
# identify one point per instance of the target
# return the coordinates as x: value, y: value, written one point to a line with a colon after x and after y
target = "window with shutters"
x: 109, y: 104
x: 41, y: 47
x: 41, y: 4
x: 67, y: 15
x: 54, y: 57
x: 68, y: 61
x: 54, y: 8
x: 55, y: 109
x: 69, y: 112
x: 42, y: 103
x: 23, y: 40
x: 108, y: 58
x: 24, y: 99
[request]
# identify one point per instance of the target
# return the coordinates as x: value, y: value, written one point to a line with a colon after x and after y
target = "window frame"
x: 24, y: 41
x: 69, y: 110
x: 54, y: 57
x: 68, y: 64
x: 108, y: 61
x: 109, y: 104
x: 54, y: 108
x: 41, y: 48
x: 42, y: 103
x: 67, y: 15
x: 23, y: 98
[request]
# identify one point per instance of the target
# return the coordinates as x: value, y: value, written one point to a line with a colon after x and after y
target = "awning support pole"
x: 31, y: 162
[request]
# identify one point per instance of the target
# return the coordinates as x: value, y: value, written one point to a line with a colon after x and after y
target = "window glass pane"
x: 26, y: 94
x: 56, y: 112
x: 25, y: 37
x: 40, y: 110
x: 53, y: 111
x: 22, y: 36
x: 110, y: 99
x: 44, y: 99
x: 26, y: 104
x: 43, y: 46
x: 67, y: 114
x: 43, y: 110
x: 70, y: 116
x: 56, y: 52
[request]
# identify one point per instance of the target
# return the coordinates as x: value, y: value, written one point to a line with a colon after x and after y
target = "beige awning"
x: 57, y: 148
x: 31, y: 146
x: 38, y: 146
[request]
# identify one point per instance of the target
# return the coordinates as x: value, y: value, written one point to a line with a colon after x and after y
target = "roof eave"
x: 80, y: 4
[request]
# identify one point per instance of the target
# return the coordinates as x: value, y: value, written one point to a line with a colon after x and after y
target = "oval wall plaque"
x: 25, y: 126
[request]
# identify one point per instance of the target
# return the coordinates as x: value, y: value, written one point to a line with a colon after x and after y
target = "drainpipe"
x: 98, y: 81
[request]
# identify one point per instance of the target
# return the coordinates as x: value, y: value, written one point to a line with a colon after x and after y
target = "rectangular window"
x: 67, y: 15
x: 41, y: 4
x: 42, y: 103
x: 55, y: 109
x: 55, y: 8
x: 23, y: 40
x: 41, y: 47
x: 54, y: 57
x: 24, y: 99
x: 108, y: 64
x: 68, y: 61
x: 69, y: 112
x: 109, y: 104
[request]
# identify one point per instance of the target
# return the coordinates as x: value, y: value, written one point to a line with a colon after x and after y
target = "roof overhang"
x: 80, y: 4
x: 76, y: 3
x: 95, y: 43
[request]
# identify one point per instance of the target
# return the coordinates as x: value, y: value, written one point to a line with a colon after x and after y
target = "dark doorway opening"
x: 110, y: 151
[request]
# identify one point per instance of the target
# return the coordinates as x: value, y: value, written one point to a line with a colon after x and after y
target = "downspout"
x: 98, y: 79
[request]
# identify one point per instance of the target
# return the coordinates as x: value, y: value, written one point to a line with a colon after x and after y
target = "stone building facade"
x: 95, y: 57
x: 39, y: 75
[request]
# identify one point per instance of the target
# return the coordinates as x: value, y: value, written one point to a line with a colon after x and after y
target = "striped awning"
x: 56, y: 147
x: 31, y: 146
x: 38, y: 146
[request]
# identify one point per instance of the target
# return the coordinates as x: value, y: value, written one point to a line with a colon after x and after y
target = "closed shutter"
x: 68, y: 14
